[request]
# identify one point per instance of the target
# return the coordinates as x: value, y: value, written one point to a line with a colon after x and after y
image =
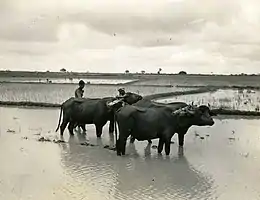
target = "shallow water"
x: 232, y: 99
x: 224, y: 165
x: 57, y: 93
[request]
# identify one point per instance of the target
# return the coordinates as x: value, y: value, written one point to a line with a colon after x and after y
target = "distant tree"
x: 182, y: 72
x: 63, y: 70
x: 127, y: 71
x: 159, y: 71
x: 143, y: 72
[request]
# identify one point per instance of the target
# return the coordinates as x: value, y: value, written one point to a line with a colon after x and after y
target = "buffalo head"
x: 132, y: 98
x: 196, y: 115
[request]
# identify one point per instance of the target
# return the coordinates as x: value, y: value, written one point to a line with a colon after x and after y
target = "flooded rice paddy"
x: 57, y: 93
x: 248, y: 100
x: 201, y: 80
x: 220, y: 162
x: 64, y: 80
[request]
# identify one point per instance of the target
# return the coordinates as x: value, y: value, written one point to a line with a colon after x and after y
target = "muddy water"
x: 221, y: 162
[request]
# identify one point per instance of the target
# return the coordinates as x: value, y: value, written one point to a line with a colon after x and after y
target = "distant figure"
x: 79, y: 91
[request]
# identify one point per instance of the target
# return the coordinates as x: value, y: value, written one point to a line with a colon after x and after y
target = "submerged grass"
x: 245, y: 100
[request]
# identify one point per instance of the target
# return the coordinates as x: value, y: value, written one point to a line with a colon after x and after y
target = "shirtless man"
x: 79, y: 91
x: 79, y: 94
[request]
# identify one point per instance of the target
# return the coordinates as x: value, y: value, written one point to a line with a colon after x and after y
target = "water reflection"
x: 135, y: 176
x: 42, y: 170
x: 160, y: 178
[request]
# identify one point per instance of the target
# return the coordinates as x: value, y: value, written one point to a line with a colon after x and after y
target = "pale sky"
x: 198, y: 36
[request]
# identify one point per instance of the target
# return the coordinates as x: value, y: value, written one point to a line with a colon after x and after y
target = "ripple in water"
x: 213, y: 168
x: 106, y: 176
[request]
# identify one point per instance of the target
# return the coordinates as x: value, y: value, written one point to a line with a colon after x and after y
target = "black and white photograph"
x: 129, y: 100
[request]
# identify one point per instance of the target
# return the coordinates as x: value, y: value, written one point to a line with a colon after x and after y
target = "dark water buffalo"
x: 162, y: 123
x: 145, y: 103
x: 129, y: 98
x: 90, y: 111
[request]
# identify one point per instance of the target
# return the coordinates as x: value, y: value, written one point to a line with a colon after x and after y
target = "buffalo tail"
x: 115, y: 125
x: 59, y: 119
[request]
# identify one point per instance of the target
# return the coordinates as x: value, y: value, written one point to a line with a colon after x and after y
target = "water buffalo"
x: 146, y: 103
x: 81, y: 111
x: 162, y: 123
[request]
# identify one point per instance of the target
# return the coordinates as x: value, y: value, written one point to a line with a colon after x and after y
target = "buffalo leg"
x: 63, y: 124
x: 150, y: 141
x: 120, y: 145
x: 71, y: 127
x: 181, y: 139
x: 83, y: 127
x: 111, y: 126
x: 123, y: 144
x: 124, y: 132
x: 160, y: 145
x: 99, y: 131
x: 118, y: 152
x: 167, y: 147
x: 62, y: 127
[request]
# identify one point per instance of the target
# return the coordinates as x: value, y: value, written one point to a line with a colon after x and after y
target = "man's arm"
x: 121, y: 97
